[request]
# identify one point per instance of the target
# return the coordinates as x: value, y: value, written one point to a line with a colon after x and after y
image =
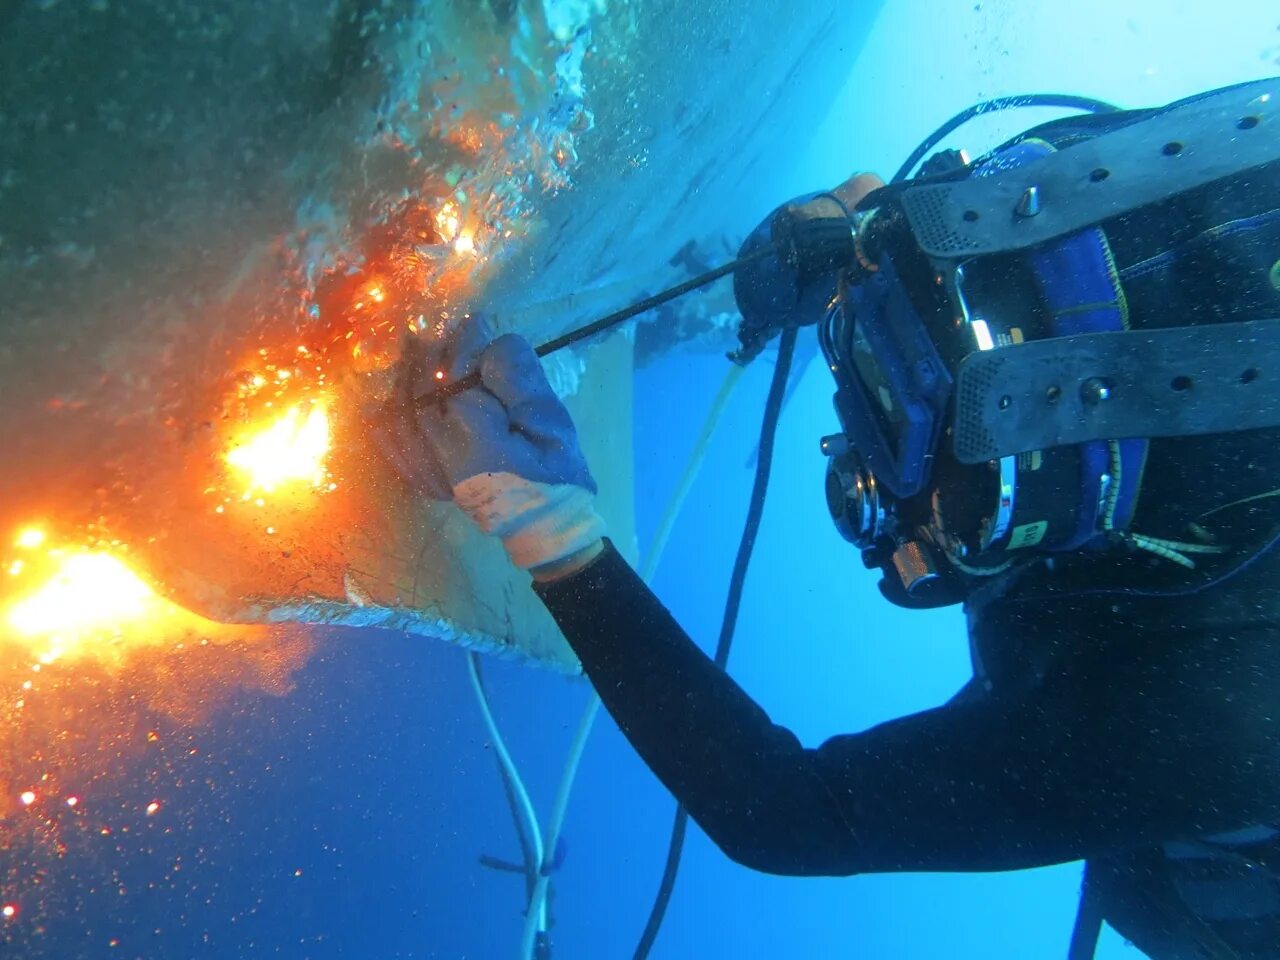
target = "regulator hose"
x: 733, y: 602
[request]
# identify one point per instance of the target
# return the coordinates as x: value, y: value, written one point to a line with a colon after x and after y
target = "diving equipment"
x: 993, y: 403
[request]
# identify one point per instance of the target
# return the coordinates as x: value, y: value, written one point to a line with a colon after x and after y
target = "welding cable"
x: 535, y: 924
x: 527, y: 818
x: 653, y: 556
x: 455, y: 387
x: 755, y: 510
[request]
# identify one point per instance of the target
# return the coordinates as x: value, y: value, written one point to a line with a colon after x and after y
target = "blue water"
x: 346, y: 819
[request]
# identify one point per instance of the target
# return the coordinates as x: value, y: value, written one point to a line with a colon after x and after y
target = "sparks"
x: 447, y: 222
x: 290, y: 450
x: 152, y: 807
x: 9, y: 911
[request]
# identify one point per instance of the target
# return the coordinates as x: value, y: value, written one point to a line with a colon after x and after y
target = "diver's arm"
x: 744, y: 780
x: 985, y: 784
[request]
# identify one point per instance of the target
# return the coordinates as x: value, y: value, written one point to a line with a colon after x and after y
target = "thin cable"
x: 737, y: 582
x: 535, y: 921
x: 509, y: 771
x: 542, y: 884
x: 668, y: 521
x: 1066, y: 101
x: 1189, y: 591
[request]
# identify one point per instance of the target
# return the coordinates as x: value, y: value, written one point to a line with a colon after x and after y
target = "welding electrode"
x: 447, y: 390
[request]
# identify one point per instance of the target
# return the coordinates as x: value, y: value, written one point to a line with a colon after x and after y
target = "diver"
x: 1057, y: 375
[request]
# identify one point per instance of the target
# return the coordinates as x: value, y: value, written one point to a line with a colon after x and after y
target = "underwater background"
x: 347, y: 817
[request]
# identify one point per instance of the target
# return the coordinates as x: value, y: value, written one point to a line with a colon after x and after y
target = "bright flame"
x: 88, y: 589
x: 447, y: 221
x: 30, y: 538
x: 290, y: 450
x: 28, y: 798
x: 465, y: 244
x: 90, y: 604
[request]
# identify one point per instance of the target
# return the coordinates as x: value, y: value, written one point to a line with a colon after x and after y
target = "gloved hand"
x: 792, y: 286
x: 506, y: 451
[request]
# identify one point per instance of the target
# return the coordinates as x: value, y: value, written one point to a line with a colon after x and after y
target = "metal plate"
x: 1158, y: 383
x: 1113, y: 174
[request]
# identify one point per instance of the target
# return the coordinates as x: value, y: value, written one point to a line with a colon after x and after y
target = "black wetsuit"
x: 1100, y: 725
x: 1108, y: 745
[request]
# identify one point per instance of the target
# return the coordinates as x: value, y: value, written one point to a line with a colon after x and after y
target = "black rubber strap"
x: 1182, y: 381
x: 1176, y: 150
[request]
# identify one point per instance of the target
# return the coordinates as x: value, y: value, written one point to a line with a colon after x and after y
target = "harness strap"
x: 1170, y: 382
x: 1175, y: 150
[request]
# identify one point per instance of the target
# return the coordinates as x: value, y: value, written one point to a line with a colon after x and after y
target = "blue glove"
x: 772, y: 294
x: 506, y: 451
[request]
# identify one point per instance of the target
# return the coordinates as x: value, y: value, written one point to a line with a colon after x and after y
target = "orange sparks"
x: 28, y: 797
x: 9, y: 911
x: 152, y: 808
x: 290, y: 450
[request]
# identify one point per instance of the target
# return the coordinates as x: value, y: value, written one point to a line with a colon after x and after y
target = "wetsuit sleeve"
x: 979, y: 784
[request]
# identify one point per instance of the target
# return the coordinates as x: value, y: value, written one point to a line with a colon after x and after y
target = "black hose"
x: 1066, y: 101
x: 1088, y: 925
x: 663, y: 897
x: 737, y: 582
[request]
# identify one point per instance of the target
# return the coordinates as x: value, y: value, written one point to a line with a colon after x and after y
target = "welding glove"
x: 813, y: 240
x: 506, y: 452
x: 775, y: 291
